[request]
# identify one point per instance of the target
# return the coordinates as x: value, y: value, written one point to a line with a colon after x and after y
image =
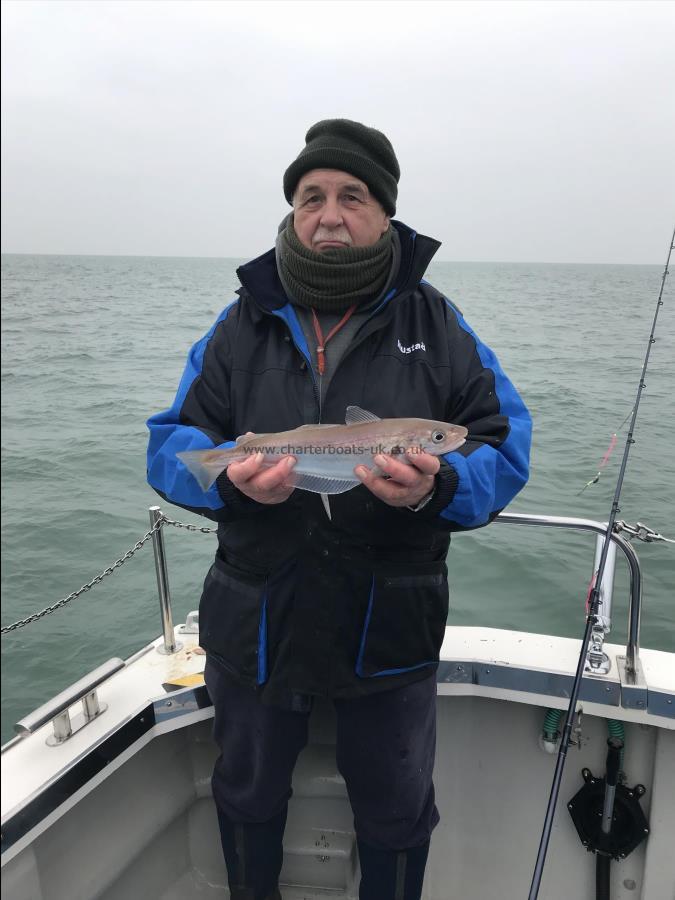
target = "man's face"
x: 333, y: 210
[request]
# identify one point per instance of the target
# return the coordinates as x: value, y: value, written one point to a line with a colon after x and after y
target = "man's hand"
x: 406, y: 485
x: 265, y: 485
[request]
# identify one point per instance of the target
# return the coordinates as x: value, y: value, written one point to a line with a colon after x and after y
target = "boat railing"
x: 170, y: 644
x: 596, y: 661
x: 57, y: 709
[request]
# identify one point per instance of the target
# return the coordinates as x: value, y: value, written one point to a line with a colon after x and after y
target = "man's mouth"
x: 331, y: 244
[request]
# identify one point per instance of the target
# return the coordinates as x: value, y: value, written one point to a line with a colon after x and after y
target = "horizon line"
x: 517, y: 262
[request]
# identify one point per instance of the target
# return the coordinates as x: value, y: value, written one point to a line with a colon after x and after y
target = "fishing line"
x: 608, y: 452
x: 591, y: 618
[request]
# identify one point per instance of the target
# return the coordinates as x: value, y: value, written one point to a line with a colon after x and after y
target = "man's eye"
x: 313, y: 199
x: 352, y: 198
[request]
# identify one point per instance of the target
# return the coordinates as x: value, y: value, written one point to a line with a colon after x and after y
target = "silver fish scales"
x: 326, y: 455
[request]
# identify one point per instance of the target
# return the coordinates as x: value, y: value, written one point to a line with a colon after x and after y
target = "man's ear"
x: 387, y: 222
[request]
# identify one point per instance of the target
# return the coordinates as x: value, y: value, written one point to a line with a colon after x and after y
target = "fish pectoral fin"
x: 355, y: 415
x: 326, y: 505
x: 321, y: 484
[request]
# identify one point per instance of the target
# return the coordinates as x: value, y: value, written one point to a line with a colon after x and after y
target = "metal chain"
x: 640, y: 531
x: 187, y: 526
x: 109, y: 571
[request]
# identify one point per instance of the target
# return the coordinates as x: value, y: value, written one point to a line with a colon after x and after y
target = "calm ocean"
x: 93, y: 345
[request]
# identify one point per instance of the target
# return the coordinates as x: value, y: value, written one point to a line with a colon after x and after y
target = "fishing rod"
x: 592, y: 616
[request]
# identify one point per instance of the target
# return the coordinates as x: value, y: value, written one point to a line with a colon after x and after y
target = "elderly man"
x: 297, y: 605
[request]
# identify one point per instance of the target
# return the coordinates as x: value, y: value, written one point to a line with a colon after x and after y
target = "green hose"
x: 551, y: 723
x: 616, y: 730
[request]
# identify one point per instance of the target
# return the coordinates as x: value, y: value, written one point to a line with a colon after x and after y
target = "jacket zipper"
x: 317, y: 389
x: 308, y: 363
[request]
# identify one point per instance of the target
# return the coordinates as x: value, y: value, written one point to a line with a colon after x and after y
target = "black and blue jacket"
x: 295, y: 602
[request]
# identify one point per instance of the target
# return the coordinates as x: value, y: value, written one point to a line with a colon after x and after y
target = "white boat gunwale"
x: 472, y: 664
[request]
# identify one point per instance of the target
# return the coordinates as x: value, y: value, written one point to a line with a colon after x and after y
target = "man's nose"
x: 331, y: 217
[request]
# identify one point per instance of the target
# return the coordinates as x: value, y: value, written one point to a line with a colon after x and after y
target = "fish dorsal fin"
x: 245, y: 438
x: 303, y: 427
x: 356, y: 416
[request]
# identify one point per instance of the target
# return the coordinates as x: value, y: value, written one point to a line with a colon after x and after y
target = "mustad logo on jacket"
x: 420, y: 345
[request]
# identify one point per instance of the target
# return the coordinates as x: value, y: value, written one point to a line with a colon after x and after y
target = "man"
x: 353, y: 607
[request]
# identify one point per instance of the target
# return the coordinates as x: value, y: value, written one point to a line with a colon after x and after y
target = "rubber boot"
x: 392, y: 874
x: 253, y: 856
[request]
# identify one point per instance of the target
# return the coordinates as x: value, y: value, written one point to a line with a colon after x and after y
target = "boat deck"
x: 143, y: 823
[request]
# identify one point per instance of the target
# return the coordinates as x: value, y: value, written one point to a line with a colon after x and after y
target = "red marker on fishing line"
x: 605, y: 458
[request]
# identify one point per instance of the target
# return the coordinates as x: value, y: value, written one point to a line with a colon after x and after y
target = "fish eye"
x: 437, y: 436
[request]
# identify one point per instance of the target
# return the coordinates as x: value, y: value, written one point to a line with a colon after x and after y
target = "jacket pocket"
x: 405, y: 619
x: 233, y: 620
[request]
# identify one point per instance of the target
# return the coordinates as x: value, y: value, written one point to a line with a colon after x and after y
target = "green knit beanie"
x: 350, y: 147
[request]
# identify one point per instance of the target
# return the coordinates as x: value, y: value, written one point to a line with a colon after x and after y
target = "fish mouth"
x: 455, y: 440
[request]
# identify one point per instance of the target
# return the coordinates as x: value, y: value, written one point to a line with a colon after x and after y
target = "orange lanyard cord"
x: 322, y: 341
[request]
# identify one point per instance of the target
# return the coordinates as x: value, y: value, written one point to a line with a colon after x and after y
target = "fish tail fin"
x: 205, y: 465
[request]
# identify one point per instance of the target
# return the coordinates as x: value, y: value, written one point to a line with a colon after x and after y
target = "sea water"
x: 91, y: 346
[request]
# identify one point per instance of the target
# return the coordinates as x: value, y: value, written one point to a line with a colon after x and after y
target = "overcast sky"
x: 536, y: 131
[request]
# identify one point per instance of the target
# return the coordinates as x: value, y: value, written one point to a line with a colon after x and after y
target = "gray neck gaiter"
x: 336, y: 279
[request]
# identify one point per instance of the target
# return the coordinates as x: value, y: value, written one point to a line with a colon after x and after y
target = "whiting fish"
x: 326, y: 455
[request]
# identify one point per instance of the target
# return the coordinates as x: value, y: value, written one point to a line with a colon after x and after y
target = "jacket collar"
x: 260, y: 277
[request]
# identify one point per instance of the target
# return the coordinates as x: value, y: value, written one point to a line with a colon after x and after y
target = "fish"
x: 326, y: 455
